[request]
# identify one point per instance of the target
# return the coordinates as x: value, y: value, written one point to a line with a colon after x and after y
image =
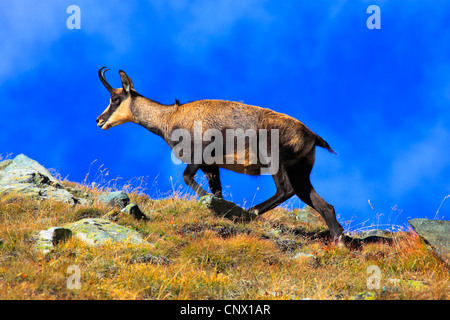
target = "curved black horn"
x: 101, y: 75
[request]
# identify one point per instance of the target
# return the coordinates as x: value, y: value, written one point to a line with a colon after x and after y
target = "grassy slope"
x: 210, y: 258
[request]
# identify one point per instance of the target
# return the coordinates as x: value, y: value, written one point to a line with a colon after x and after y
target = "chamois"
x: 296, y: 144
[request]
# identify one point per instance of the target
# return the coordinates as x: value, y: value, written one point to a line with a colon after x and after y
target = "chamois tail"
x: 322, y: 143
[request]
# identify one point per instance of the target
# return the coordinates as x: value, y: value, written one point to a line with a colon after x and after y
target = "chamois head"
x: 119, y: 109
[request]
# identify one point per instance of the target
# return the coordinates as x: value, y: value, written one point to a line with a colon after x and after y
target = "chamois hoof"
x: 226, y: 209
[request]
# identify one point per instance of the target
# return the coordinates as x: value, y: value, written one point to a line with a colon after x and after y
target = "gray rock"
x: 47, y: 239
x: 308, y: 215
x: 116, y: 198
x: 134, y: 210
x: 302, y: 255
x: 23, y: 166
x: 5, y: 163
x: 39, y: 191
x: 376, y: 233
x: 364, y: 296
x: 226, y: 208
x: 26, y: 176
x: 436, y: 234
x: 96, y: 231
x: 311, y: 259
x: 60, y: 195
x: 287, y: 245
x: 92, y: 231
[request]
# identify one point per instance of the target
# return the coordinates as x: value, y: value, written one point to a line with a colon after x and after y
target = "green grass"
x: 197, y: 255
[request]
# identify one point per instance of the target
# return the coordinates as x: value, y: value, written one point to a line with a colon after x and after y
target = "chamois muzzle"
x: 100, y: 122
x: 101, y: 75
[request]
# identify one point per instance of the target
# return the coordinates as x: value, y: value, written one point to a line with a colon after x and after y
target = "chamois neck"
x: 152, y: 115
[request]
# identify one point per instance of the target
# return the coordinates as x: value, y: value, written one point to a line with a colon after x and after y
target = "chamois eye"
x: 115, y: 100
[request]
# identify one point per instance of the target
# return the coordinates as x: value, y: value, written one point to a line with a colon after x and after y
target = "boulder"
x: 26, y: 176
x: 47, y: 239
x: 96, y: 231
x: 116, y: 198
x: 308, y: 258
x: 364, y: 296
x: 5, y: 163
x: 308, y: 215
x: 302, y: 255
x: 134, y: 210
x: 436, y: 234
x: 226, y: 208
x: 375, y: 235
x: 92, y: 231
x: 22, y: 166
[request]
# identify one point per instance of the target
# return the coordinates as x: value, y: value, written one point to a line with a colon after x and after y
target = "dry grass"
x: 209, y: 257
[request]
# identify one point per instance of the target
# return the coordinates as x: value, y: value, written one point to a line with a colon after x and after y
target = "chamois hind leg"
x: 213, y: 176
x: 188, y: 176
x: 299, y: 178
x: 284, y: 192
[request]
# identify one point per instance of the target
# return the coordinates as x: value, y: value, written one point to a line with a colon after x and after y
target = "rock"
x: 92, y: 231
x: 311, y: 259
x: 374, y: 235
x: 5, y: 163
x: 413, y: 284
x: 116, y: 198
x: 82, y: 197
x: 302, y: 255
x: 112, y: 215
x: 26, y: 176
x: 308, y: 215
x: 47, y: 239
x: 287, y: 245
x: 23, y: 163
x: 226, y: 208
x: 134, y: 210
x: 60, y: 195
x: 364, y: 296
x: 96, y: 231
x: 87, y: 212
x: 436, y: 234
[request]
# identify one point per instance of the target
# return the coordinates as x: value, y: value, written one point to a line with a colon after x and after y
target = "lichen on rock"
x: 96, y: 231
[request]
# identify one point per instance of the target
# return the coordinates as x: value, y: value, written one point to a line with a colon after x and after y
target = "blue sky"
x: 379, y: 97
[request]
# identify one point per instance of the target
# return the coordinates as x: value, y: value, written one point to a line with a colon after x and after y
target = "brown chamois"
x: 294, y: 150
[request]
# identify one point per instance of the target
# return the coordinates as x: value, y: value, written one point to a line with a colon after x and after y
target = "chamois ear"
x: 127, y: 84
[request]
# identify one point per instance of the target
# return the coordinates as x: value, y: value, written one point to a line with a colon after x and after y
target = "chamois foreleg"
x: 188, y: 176
x: 284, y: 192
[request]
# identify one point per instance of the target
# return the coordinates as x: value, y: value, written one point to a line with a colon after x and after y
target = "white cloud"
x: 27, y: 30
x: 204, y: 20
x: 420, y: 163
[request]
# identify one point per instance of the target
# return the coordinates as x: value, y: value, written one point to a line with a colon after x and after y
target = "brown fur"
x: 296, y: 142
x: 296, y: 139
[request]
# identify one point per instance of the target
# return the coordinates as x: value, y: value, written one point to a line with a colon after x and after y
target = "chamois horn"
x: 101, y: 75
